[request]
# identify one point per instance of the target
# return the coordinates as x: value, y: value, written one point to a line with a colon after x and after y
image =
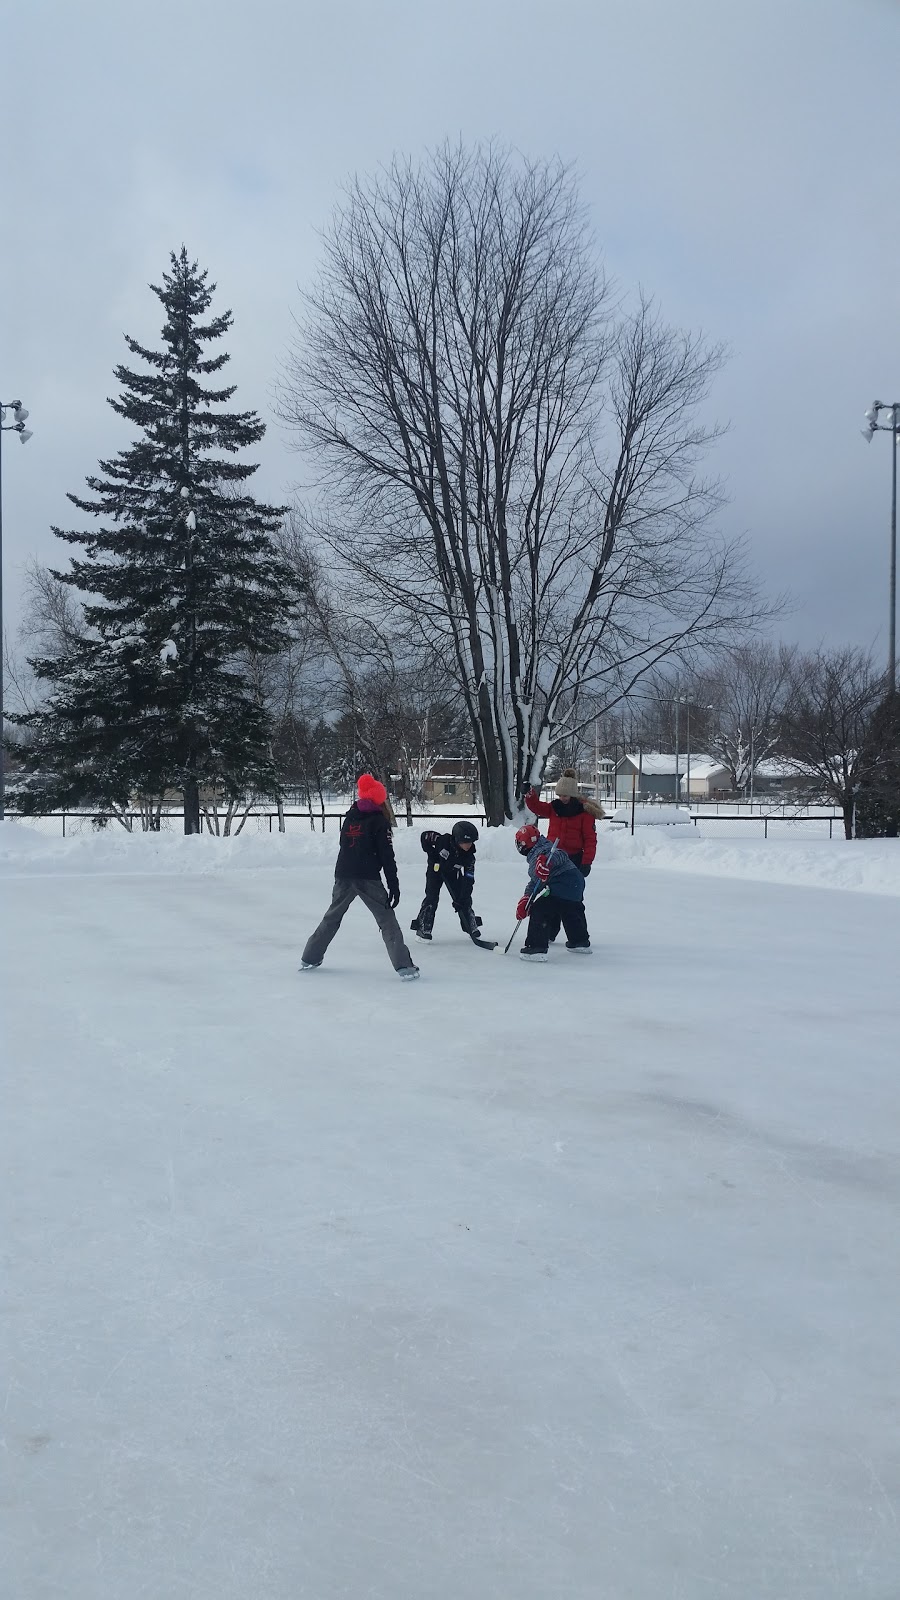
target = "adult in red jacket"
x: 570, y: 820
x: 571, y: 825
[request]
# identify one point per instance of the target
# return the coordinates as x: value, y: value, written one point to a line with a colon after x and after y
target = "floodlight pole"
x: 892, y: 630
x: 2, y: 652
x: 873, y: 426
x: 20, y: 414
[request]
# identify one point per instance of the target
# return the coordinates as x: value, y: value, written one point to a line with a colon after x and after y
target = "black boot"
x: 422, y: 924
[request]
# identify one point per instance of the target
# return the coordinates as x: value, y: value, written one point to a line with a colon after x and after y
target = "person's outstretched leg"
x: 575, y: 923
x: 374, y: 895
x: 343, y: 895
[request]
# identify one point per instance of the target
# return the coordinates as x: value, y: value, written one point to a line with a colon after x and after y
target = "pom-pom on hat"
x: 567, y: 787
x: 368, y: 788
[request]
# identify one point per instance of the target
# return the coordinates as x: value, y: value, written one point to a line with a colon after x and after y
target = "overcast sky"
x: 740, y: 159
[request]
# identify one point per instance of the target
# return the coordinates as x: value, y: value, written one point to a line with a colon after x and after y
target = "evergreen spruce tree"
x: 878, y: 797
x: 182, y: 581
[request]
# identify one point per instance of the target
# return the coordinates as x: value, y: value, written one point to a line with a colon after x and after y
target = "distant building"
x: 708, y: 778
x: 781, y: 775
x: 652, y: 774
x: 453, y: 781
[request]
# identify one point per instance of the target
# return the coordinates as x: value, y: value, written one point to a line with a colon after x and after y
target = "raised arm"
x: 540, y: 808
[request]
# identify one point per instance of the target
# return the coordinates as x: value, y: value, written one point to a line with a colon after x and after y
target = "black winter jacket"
x: 366, y: 850
x: 457, y: 866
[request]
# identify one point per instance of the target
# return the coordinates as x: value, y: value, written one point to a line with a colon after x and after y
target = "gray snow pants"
x: 373, y: 895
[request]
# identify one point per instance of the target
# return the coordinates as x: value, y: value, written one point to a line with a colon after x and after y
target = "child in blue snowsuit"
x: 564, y: 899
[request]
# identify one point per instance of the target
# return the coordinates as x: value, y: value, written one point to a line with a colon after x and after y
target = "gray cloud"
x: 739, y: 161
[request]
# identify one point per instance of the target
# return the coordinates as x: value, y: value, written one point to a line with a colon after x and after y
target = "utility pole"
x: 17, y: 426
x: 873, y: 426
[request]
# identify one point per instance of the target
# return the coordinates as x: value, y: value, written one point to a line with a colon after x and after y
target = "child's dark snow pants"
x: 548, y: 912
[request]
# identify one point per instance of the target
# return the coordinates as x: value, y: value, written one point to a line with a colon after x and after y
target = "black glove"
x: 394, y: 897
x: 586, y: 871
x: 428, y: 839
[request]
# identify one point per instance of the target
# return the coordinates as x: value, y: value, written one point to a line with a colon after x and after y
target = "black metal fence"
x: 768, y: 817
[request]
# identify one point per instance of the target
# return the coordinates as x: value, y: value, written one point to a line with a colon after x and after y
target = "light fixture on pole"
x: 20, y: 417
x: 892, y: 427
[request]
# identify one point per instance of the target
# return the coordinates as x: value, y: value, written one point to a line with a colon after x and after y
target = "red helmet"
x: 527, y: 838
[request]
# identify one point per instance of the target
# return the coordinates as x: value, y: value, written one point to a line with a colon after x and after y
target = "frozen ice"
x: 572, y: 1282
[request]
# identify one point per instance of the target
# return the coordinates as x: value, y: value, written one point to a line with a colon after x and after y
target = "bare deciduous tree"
x: 742, y: 698
x: 391, y: 704
x: 833, y: 696
x: 511, y: 464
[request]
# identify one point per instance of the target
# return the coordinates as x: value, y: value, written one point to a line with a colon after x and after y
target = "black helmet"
x: 464, y: 833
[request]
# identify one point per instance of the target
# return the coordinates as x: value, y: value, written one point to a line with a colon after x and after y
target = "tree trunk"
x: 191, y: 799
x: 490, y: 769
x: 847, y: 809
x: 493, y: 791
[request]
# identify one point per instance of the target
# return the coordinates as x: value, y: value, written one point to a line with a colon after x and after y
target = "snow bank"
x: 652, y: 816
x: 24, y: 849
x: 870, y: 866
x: 112, y: 849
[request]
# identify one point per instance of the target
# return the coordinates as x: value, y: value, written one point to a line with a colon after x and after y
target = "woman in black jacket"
x: 365, y: 853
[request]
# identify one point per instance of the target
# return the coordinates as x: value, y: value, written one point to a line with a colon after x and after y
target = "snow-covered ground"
x: 578, y: 1282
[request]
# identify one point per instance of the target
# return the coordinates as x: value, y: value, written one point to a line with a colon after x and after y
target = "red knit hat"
x: 368, y: 788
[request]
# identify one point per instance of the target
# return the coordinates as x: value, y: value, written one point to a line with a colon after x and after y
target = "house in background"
x: 779, y: 775
x: 653, y: 775
x: 708, y: 778
x: 453, y: 781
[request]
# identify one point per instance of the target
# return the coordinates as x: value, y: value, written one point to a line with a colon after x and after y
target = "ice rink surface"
x: 512, y: 1284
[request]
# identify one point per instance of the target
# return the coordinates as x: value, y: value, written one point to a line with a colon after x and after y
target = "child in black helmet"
x: 451, y: 864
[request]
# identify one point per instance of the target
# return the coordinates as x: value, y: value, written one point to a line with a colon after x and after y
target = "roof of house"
x: 453, y: 767
x: 702, y: 767
x: 657, y: 764
x: 783, y: 767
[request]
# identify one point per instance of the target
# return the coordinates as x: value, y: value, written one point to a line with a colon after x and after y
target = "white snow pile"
x: 870, y: 866
x: 651, y: 816
x: 113, y: 849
